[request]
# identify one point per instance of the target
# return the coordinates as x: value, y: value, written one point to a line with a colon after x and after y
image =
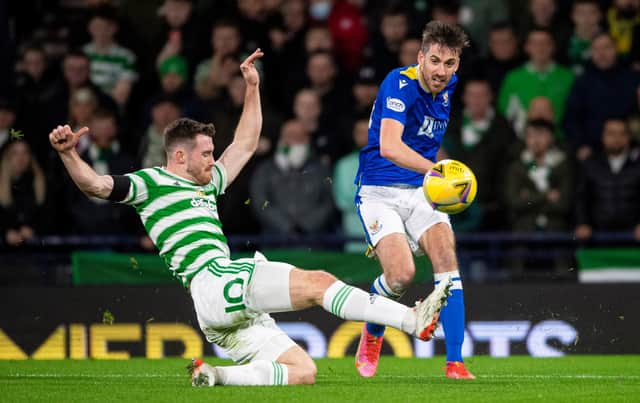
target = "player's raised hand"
x: 248, y: 68
x: 63, y: 139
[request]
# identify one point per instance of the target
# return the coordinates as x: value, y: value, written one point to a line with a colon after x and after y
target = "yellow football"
x: 450, y: 186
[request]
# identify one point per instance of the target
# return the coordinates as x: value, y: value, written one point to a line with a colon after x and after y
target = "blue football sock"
x: 452, y: 317
x: 380, y: 287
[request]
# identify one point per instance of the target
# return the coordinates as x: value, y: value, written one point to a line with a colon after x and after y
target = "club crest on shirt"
x: 445, y: 98
x: 375, y: 227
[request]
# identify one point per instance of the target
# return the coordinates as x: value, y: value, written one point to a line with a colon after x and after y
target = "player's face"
x: 200, y: 160
x: 437, y: 66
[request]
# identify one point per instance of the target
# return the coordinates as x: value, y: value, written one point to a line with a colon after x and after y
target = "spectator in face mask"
x: 291, y: 193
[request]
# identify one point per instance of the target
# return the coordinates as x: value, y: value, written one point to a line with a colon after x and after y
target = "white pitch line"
x: 19, y: 375
x: 524, y: 376
x: 483, y: 376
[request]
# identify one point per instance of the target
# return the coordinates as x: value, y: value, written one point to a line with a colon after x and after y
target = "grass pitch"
x: 521, y: 379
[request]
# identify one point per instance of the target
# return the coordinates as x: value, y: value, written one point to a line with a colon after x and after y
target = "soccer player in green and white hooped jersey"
x: 233, y: 298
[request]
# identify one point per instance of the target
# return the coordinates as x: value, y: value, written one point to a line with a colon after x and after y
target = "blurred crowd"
x: 546, y: 111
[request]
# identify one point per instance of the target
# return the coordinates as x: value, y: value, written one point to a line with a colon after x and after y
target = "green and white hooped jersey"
x: 181, y: 218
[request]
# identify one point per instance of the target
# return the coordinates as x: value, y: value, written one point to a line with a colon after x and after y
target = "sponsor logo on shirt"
x: 431, y: 126
x: 201, y: 200
x: 403, y: 83
x: 395, y: 104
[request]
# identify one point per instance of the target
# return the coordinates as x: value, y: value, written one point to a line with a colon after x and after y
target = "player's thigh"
x: 269, y: 288
x: 439, y: 243
x: 422, y: 218
x: 219, y: 299
x: 280, y: 287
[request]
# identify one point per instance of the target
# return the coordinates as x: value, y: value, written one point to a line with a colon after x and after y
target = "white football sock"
x: 256, y: 373
x: 352, y: 303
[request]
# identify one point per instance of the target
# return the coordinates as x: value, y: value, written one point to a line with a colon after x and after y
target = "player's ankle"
x: 409, y: 322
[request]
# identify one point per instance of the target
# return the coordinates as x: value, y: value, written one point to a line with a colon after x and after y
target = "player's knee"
x: 319, y: 280
x: 308, y: 373
x: 322, y: 279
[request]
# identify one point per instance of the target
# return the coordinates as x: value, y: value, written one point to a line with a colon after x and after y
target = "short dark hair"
x: 450, y: 7
x: 594, y: 2
x: 395, y: 9
x: 621, y: 119
x: 542, y: 124
x: 442, y: 34
x: 501, y: 26
x: 104, y: 113
x: 226, y: 23
x: 76, y: 52
x: 186, y: 129
x: 541, y: 29
x: 105, y: 12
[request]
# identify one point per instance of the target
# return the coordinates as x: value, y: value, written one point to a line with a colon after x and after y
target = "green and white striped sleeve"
x: 219, y: 178
x: 139, y: 188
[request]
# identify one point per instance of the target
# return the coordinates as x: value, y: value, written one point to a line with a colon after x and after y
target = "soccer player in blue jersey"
x: 409, y: 118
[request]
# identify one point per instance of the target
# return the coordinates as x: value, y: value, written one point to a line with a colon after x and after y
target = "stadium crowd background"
x: 541, y: 86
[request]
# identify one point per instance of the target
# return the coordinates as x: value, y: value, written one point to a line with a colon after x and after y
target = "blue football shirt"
x: 425, y: 119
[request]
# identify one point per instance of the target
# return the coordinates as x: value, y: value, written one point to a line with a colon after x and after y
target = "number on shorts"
x: 235, y: 302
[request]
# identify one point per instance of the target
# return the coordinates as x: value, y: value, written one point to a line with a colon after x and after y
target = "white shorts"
x: 232, y: 300
x: 386, y: 210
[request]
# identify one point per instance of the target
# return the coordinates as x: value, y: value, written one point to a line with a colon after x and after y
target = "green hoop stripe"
x: 166, y: 212
x: 219, y: 187
x: 162, y: 172
x: 192, y: 255
x: 163, y: 191
x: 147, y: 179
x: 190, y: 238
x: 181, y: 225
x: 278, y: 373
x: 339, y: 299
x: 247, y: 267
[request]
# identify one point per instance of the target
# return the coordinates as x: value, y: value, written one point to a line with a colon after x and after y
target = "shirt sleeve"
x: 219, y: 178
x: 397, y: 93
x: 138, y: 189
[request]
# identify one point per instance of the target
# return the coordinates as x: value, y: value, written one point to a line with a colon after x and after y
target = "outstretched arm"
x: 64, y: 141
x: 247, y: 134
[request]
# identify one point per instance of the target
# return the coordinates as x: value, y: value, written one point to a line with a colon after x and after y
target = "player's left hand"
x: 248, y: 68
